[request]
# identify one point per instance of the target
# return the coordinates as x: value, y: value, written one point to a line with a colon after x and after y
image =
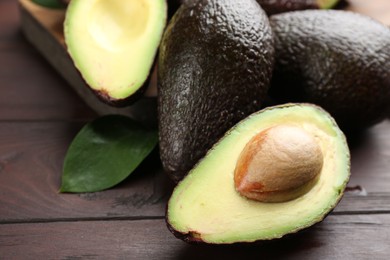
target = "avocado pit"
x: 279, y: 164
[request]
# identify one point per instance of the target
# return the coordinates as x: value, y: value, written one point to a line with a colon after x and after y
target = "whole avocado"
x: 337, y: 59
x: 215, y: 65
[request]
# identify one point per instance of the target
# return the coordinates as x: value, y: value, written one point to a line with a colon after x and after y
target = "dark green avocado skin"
x: 215, y: 65
x: 280, y: 6
x: 336, y: 59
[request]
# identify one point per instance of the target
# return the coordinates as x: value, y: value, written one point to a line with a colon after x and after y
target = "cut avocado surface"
x: 114, y: 43
x: 205, y: 206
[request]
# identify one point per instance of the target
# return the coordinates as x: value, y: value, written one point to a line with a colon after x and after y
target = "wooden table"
x: 39, y: 116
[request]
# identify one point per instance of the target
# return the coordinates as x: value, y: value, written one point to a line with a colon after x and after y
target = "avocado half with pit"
x: 113, y: 44
x: 276, y: 172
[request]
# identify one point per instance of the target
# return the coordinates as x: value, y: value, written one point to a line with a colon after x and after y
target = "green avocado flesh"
x: 114, y: 43
x: 327, y: 4
x: 205, y: 206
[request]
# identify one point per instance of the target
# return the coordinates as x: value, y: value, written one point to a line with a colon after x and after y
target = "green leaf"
x: 55, y: 4
x: 105, y: 152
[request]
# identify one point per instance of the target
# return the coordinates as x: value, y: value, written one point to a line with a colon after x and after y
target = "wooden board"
x: 341, y: 237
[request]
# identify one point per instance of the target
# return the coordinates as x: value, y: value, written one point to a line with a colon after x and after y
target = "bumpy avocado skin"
x: 215, y: 65
x: 336, y: 59
x: 280, y: 6
x: 271, y: 6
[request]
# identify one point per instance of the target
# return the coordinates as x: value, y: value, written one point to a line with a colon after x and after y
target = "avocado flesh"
x: 214, y: 70
x: 205, y: 207
x: 114, y: 43
x: 336, y: 59
x: 281, y: 6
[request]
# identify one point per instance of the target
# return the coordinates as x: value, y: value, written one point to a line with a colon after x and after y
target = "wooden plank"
x: 370, y: 156
x: 360, y: 202
x: 9, y: 17
x: 340, y: 237
x: 31, y: 156
x: 30, y: 88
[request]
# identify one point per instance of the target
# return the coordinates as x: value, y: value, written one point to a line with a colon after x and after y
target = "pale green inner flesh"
x: 206, y: 203
x: 113, y: 42
x: 327, y: 4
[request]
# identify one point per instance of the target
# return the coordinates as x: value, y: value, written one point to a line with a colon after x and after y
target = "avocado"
x: 278, y: 171
x: 336, y: 59
x: 280, y: 6
x: 215, y: 64
x: 114, y: 44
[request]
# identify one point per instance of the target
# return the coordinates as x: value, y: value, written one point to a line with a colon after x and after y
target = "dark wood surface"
x: 39, y: 116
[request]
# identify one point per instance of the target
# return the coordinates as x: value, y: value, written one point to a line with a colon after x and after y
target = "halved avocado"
x: 114, y: 43
x: 209, y: 206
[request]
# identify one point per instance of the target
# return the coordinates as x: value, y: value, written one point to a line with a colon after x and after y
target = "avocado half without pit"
x: 276, y: 172
x: 113, y: 44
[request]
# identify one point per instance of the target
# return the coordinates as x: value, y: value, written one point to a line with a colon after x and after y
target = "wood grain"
x: 340, y: 237
x: 357, y: 201
x: 35, y: 91
x: 370, y: 159
x: 31, y: 157
x: 30, y: 88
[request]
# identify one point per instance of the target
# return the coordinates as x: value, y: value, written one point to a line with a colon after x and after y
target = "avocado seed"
x: 278, y: 164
